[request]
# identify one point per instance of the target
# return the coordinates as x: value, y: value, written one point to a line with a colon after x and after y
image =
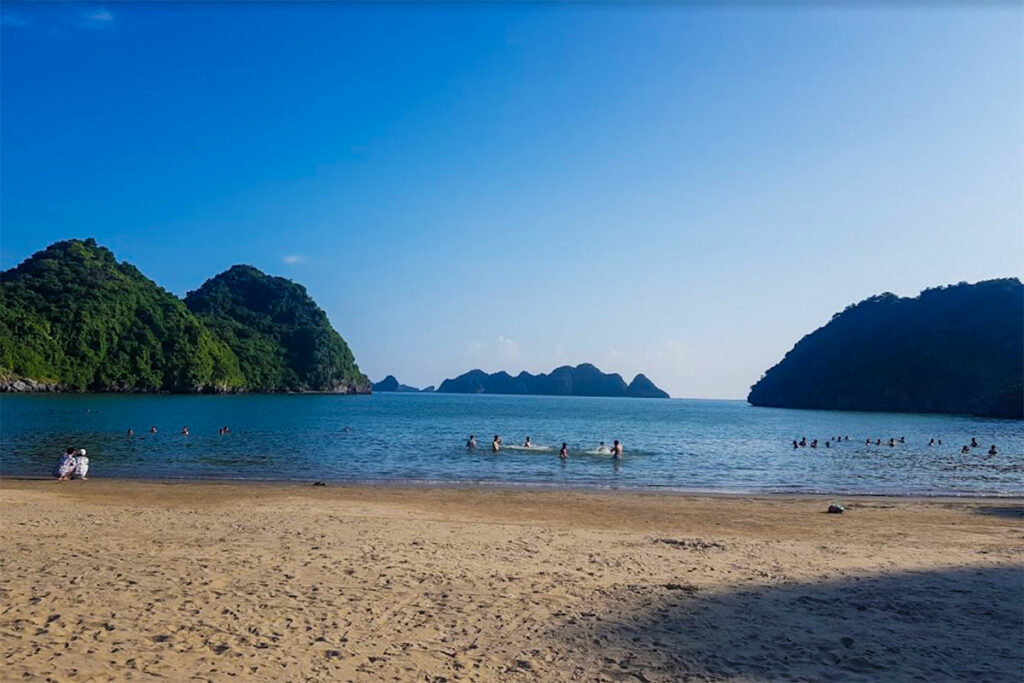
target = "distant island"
x: 582, y: 380
x: 390, y: 384
x: 72, y: 318
x: 956, y: 349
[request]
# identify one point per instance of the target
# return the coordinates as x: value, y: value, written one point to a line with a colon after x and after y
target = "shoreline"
x: 534, y: 487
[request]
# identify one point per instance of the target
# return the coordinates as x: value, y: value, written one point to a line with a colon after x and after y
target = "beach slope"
x: 116, y: 580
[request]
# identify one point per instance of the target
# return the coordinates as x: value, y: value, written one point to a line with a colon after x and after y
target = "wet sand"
x: 127, y: 580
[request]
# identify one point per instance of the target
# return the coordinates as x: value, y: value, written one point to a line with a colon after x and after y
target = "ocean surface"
x: 695, y: 445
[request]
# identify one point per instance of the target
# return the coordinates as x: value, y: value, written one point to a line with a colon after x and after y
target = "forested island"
x: 956, y: 349
x: 391, y: 384
x: 582, y: 380
x: 73, y: 318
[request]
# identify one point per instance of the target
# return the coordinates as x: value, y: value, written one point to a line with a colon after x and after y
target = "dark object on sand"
x: 319, y: 483
x: 836, y: 509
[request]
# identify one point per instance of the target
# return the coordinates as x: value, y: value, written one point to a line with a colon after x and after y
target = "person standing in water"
x: 471, y: 444
x: 527, y: 444
x: 184, y: 431
x: 617, y: 450
x: 496, y: 444
x: 564, y: 453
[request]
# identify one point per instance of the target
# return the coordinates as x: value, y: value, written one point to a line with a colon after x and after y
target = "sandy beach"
x: 127, y: 580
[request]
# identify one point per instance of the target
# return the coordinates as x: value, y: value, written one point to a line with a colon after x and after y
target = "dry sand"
x: 115, y: 580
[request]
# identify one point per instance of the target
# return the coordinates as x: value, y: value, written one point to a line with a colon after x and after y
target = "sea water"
x: 696, y: 445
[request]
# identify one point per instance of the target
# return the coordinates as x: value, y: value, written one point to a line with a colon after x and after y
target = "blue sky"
x: 683, y: 190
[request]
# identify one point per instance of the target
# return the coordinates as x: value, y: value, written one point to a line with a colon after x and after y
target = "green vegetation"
x: 282, y: 339
x: 72, y: 317
x: 957, y: 349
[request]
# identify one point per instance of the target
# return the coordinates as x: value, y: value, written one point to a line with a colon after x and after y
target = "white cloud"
x: 510, y: 346
x: 502, y: 353
x: 95, y: 18
x: 293, y: 259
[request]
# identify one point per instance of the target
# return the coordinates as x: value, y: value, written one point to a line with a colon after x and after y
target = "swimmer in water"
x: 184, y: 431
x: 617, y: 450
x: 828, y: 445
x: 965, y: 450
x: 152, y: 430
x: 471, y: 444
x: 992, y: 450
x: 131, y: 432
x: 931, y: 442
x: 803, y: 442
x: 496, y: 444
x: 602, y: 448
x: 814, y: 444
x: 794, y: 444
x: 564, y: 453
x: 527, y: 444
x: 974, y: 442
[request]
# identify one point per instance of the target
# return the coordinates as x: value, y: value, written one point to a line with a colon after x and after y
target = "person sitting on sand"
x: 81, y: 470
x: 992, y: 450
x: 496, y: 444
x: 65, y: 466
x: 564, y: 453
x: 471, y: 444
x: 617, y: 450
x: 527, y: 444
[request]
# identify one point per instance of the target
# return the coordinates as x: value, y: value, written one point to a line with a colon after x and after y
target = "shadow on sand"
x: 960, y: 624
x: 1010, y: 512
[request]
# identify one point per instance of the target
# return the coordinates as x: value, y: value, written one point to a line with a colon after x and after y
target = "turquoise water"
x: 676, y: 444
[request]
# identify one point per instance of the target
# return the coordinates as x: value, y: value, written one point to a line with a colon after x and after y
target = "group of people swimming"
x: 563, y: 453
x: 892, y: 443
x: 992, y: 450
x: 184, y: 431
x: 72, y: 465
x: 802, y: 443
